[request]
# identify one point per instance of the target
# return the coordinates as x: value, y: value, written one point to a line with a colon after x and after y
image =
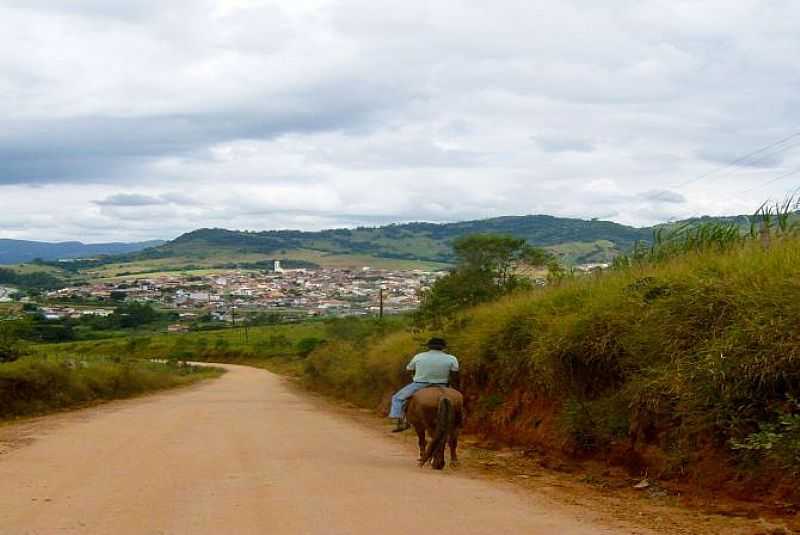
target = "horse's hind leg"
x: 422, y: 443
x: 454, y: 446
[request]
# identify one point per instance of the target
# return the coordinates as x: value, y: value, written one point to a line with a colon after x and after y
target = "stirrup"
x: 401, y: 426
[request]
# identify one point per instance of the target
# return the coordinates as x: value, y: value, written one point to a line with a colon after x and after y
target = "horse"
x: 439, y: 411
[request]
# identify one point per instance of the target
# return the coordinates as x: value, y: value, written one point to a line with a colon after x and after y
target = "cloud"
x: 563, y: 144
x: 663, y: 196
x: 144, y: 119
x: 130, y: 199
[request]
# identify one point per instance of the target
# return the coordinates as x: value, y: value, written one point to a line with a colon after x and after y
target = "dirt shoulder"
x: 610, y: 494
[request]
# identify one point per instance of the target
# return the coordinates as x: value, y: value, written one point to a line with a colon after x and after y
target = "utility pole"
x: 380, y: 297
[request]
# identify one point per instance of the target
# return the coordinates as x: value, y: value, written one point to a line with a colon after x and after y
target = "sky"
x: 132, y: 120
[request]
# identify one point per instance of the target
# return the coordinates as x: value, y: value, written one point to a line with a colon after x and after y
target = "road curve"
x: 244, y: 454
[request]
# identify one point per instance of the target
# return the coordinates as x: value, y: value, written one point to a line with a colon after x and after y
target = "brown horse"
x: 439, y: 411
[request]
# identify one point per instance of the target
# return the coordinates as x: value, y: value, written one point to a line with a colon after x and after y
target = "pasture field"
x: 207, y: 264
x: 34, y: 268
x: 334, y: 260
x: 223, y: 345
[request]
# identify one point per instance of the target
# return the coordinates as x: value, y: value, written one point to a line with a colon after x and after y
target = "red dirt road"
x: 244, y: 454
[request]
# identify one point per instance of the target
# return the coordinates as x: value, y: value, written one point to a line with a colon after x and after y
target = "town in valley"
x: 238, y: 295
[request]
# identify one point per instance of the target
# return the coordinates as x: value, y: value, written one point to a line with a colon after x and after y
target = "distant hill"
x: 18, y: 251
x: 575, y: 240
x: 410, y: 244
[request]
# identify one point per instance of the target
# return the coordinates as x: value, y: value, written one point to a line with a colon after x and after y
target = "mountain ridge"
x: 574, y: 239
x: 19, y: 251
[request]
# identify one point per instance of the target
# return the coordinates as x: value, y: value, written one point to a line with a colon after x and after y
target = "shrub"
x: 307, y: 345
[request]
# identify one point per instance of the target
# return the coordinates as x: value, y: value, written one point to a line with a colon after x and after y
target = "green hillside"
x: 575, y: 240
x: 397, y: 246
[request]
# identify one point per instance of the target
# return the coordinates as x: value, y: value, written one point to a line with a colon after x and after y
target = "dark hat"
x: 436, y: 343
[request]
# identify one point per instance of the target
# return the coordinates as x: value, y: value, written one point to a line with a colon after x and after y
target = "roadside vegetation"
x: 682, y: 363
x: 39, y: 382
x: 36, y: 377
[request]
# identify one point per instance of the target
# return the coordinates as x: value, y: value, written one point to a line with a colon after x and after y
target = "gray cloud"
x: 663, y: 196
x: 563, y: 144
x: 130, y: 199
x: 317, y: 113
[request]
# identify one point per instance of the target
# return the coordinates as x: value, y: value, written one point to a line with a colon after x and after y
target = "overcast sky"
x: 129, y: 120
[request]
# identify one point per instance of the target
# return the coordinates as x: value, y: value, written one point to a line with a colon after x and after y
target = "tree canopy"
x: 485, y: 270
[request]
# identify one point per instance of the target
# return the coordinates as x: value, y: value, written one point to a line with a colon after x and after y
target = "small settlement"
x: 297, y: 293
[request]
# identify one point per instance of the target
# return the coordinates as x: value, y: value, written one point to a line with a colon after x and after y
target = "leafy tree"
x: 135, y: 314
x: 51, y: 331
x: 263, y: 318
x: 37, y: 280
x: 496, y: 255
x: 12, y: 334
x: 484, y: 271
x: 306, y: 345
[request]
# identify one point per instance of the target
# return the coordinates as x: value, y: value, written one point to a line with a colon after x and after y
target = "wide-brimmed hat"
x: 436, y: 343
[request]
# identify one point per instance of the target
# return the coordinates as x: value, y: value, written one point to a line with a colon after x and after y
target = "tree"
x: 12, y: 333
x: 485, y: 270
x: 135, y: 314
x: 307, y: 345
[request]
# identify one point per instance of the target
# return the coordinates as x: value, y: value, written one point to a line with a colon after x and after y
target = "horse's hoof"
x: 454, y: 464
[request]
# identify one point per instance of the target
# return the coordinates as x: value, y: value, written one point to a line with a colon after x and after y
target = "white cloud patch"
x: 148, y: 119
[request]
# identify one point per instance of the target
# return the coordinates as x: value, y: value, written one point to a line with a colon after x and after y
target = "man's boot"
x: 402, y: 425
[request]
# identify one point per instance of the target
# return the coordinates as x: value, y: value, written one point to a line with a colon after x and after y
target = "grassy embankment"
x: 686, y: 369
x: 44, y: 382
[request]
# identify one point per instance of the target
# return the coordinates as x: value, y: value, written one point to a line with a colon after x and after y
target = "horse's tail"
x: 445, y: 421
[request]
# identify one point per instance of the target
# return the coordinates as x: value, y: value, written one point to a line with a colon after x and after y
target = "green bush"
x: 307, y: 345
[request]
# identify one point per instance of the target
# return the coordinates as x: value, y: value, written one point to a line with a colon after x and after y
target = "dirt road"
x: 239, y: 455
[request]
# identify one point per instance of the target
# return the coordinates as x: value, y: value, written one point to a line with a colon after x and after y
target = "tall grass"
x: 40, y: 383
x: 771, y: 221
x: 693, y: 351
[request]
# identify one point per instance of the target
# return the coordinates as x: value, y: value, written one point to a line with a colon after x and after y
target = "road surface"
x: 245, y: 454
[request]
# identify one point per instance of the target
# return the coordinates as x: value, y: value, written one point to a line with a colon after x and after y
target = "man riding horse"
x: 431, y: 368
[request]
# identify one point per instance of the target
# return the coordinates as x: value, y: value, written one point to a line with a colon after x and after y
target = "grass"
x: 204, y: 265
x: 226, y: 345
x: 585, y: 252
x: 355, y: 260
x: 34, y: 268
x: 679, y: 359
x: 42, y: 382
x: 169, y: 273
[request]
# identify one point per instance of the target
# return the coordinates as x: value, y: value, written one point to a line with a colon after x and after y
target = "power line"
x: 757, y: 160
x: 771, y: 181
x: 739, y: 160
x: 735, y: 164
